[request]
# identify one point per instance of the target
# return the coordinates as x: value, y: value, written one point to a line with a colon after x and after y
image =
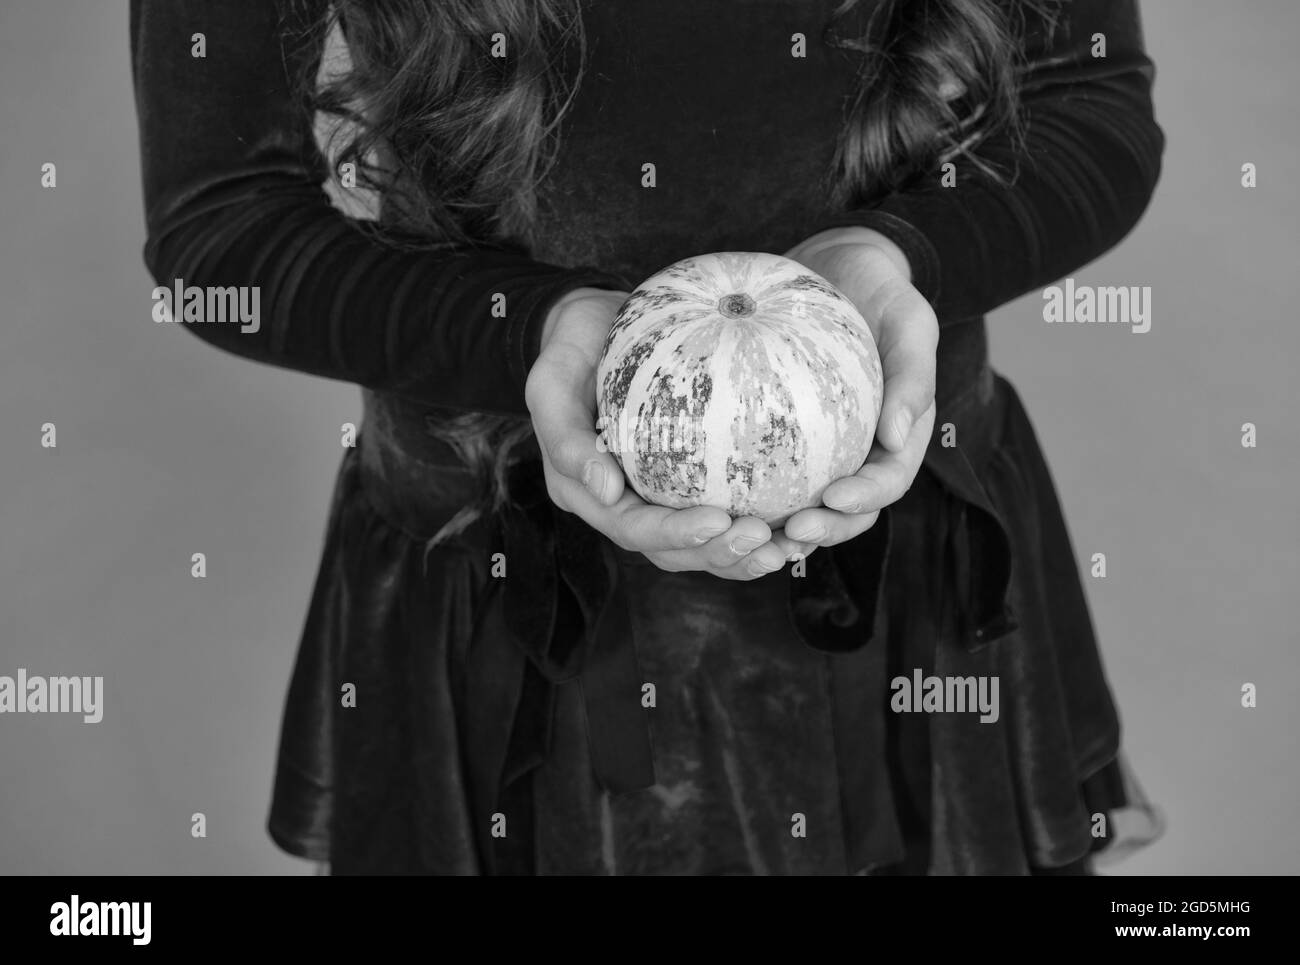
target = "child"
x: 549, y: 675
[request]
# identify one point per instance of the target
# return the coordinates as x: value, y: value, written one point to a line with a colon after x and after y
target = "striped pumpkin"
x: 738, y: 380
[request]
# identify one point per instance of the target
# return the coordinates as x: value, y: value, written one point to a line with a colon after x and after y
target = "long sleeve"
x: 1086, y: 171
x: 234, y: 197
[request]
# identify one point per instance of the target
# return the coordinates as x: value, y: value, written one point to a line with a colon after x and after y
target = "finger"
x: 564, y: 423
x: 637, y: 525
x: 744, y: 536
x: 885, y: 477
x: 908, y: 338
x: 827, y: 527
x: 768, y: 558
x: 674, y: 561
x: 793, y: 549
x: 741, y: 572
x: 576, y: 454
x: 745, y: 552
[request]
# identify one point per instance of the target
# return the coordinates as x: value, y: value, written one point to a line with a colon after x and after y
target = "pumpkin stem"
x: 736, y: 306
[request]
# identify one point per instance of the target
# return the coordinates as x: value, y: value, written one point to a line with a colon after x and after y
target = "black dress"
x: 499, y: 724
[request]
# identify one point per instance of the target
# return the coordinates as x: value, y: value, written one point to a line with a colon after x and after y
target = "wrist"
x: 857, y: 235
x: 561, y: 304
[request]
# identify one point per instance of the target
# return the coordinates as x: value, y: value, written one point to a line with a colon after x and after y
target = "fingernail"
x: 744, y: 544
x: 593, y: 477
x: 810, y: 536
x: 757, y: 566
x: 903, y: 425
x: 704, y: 535
x: 851, y: 507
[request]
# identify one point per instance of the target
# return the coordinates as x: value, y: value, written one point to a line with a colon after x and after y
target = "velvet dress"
x: 501, y: 723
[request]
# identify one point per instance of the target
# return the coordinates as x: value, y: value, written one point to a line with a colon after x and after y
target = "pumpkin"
x: 741, y: 380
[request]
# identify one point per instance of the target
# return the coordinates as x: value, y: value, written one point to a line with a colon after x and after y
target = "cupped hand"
x: 583, y: 478
x: 873, y: 273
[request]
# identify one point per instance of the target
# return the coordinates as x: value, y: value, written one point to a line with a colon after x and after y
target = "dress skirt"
x: 519, y: 699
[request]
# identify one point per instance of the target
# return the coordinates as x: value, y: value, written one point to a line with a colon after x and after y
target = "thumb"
x: 564, y: 423
x: 908, y: 342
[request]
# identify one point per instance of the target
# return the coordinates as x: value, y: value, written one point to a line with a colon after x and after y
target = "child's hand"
x: 874, y: 274
x: 584, y: 480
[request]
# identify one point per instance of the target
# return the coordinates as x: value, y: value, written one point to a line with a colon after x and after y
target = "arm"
x: 233, y: 196
x: 1087, y: 169
x: 929, y: 255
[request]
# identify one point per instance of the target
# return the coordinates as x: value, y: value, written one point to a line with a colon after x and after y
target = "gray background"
x: 168, y: 447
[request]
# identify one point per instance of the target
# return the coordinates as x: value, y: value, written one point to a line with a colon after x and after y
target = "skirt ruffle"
x: 371, y: 777
x: 1043, y: 787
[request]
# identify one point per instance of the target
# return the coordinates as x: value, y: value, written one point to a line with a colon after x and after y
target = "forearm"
x: 856, y: 234
x: 336, y: 304
x: 233, y: 196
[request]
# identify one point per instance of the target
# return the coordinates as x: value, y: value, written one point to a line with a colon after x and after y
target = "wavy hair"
x: 454, y: 143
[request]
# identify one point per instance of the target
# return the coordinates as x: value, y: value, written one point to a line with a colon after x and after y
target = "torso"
x: 741, y: 135
x: 740, y: 132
